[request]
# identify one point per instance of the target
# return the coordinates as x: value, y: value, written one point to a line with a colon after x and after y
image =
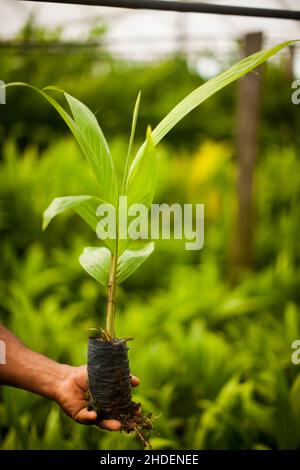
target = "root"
x: 142, y: 426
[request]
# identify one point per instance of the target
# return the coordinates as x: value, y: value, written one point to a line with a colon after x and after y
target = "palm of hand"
x: 72, y: 396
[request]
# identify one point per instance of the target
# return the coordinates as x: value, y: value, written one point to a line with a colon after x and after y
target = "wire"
x: 123, y: 42
x: 187, y: 7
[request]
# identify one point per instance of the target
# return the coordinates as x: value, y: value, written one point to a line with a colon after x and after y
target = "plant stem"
x: 112, y: 282
x: 111, y: 297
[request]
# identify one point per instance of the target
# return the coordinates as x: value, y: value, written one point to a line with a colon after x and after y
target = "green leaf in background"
x: 209, y: 88
x: 131, y: 260
x: 294, y: 394
x: 142, y: 177
x: 96, y: 262
x: 85, y: 206
x: 98, y: 151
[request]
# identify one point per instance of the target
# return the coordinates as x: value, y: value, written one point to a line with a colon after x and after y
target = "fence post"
x: 289, y: 63
x: 247, y: 122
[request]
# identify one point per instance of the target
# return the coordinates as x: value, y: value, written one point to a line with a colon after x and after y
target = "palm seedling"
x: 114, y: 261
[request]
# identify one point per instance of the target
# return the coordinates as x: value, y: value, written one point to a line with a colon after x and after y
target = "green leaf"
x: 96, y: 261
x: 85, y: 206
x: 142, y: 177
x: 96, y: 149
x: 294, y: 393
x: 205, y: 91
x: 141, y: 183
x: 89, y: 136
x: 131, y: 140
x: 131, y: 260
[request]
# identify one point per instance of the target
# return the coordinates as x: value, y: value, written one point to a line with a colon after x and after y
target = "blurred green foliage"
x: 214, y: 357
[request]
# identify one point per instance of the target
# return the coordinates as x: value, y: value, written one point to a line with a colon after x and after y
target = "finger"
x: 135, y: 381
x: 110, y: 424
x: 85, y: 416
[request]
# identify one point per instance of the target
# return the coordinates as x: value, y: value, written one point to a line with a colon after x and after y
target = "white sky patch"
x: 208, y: 67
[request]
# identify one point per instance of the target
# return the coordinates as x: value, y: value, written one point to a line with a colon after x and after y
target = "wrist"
x: 30, y: 370
x: 37, y: 373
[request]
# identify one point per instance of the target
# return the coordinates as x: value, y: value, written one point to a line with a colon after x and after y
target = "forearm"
x: 65, y: 384
x: 29, y: 370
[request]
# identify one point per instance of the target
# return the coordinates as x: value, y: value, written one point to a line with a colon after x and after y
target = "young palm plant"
x: 111, y: 264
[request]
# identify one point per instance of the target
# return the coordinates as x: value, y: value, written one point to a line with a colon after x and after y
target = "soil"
x: 110, y: 386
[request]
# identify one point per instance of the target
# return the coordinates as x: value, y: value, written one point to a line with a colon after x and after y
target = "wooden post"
x: 247, y: 122
x: 289, y: 64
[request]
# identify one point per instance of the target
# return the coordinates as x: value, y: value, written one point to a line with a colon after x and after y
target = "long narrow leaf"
x: 141, y: 182
x: 101, y: 163
x: 131, y: 140
x: 209, y: 88
x: 98, y: 153
x: 142, y: 177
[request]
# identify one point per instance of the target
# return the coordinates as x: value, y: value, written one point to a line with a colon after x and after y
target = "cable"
x: 124, y: 42
x: 187, y: 7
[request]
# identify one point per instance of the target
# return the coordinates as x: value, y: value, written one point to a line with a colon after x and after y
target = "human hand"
x: 71, y: 395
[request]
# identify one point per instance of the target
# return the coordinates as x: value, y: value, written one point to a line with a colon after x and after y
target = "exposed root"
x: 141, y: 426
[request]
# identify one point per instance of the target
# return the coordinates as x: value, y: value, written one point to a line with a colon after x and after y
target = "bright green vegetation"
x: 214, y: 358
